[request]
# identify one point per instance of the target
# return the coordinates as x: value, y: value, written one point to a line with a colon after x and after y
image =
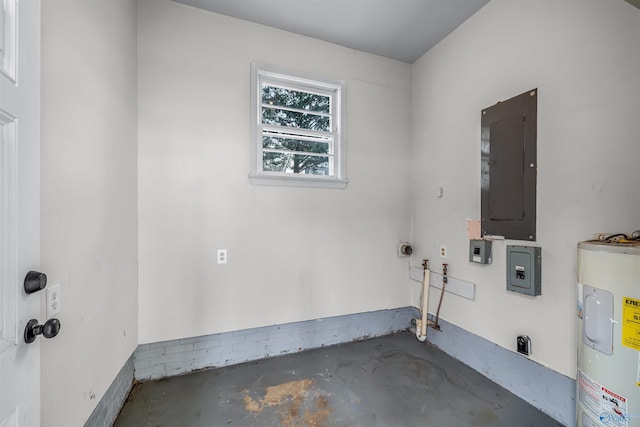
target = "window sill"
x: 288, y: 181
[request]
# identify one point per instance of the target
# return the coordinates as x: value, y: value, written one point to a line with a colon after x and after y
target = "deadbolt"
x: 34, y: 281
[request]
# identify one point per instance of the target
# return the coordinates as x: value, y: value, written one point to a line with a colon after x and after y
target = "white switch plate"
x: 53, y: 300
x: 222, y: 256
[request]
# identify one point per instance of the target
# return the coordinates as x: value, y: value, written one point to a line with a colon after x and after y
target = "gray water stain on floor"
x: 388, y: 381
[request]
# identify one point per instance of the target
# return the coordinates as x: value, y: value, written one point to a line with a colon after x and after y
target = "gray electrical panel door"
x: 524, y: 268
x: 508, y: 156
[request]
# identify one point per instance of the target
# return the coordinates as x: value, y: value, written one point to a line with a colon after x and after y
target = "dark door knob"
x: 49, y: 330
x: 34, y: 281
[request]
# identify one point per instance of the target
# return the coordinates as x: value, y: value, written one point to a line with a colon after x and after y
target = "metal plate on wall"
x: 509, y: 167
x: 597, y: 331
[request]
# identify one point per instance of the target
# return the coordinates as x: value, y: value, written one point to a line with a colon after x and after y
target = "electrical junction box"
x: 480, y: 251
x: 524, y: 266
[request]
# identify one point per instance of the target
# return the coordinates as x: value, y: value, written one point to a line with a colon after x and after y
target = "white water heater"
x: 608, y: 377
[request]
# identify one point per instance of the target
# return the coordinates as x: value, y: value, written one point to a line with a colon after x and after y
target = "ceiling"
x: 398, y: 29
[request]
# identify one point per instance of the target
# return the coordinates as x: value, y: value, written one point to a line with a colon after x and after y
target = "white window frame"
x: 262, y: 73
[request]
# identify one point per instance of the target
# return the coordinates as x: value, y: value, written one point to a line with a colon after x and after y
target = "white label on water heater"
x: 600, y: 403
x: 614, y: 409
x: 588, y: 422
x: 589, y: 395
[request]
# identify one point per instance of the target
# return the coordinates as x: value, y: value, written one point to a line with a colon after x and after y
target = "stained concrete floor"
x: 389, y: 381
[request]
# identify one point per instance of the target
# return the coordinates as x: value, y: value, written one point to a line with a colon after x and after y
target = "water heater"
x: 608, y: 376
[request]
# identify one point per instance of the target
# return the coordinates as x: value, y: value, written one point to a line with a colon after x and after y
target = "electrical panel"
x: 524, y: 267
x: 509, y: 167
x: 480, y: 251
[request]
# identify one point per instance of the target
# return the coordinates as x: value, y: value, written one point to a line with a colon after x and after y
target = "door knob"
x: 34, y: 281
x: 49, y: 330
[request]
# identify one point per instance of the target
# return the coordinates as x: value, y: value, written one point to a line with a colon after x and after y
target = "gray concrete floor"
x: 388, y: 381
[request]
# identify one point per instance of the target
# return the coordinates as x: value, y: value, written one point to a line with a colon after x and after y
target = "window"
x: 297, y: 129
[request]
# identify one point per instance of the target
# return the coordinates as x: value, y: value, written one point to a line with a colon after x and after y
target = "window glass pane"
x: 295, y: 163
x: 274, y: 116
x: 281, y: 97
x: 295, y: 145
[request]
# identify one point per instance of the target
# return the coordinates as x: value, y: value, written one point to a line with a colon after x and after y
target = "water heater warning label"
x: 600, y: 403
x: 614, y: 408
x: 589, y: 395
x: 631, y: 323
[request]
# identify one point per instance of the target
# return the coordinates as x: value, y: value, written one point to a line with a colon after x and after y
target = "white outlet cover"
x: 443, y: 252
x: 222, y: 256
x: 53, y: 300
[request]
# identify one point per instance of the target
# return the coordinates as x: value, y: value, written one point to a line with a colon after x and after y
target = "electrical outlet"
x: 222, y: 256
x: 443, y: 251
x: 53, y: 300
x: 523, y: 344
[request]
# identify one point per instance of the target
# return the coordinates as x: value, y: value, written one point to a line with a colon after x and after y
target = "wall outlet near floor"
x: 523, y: 344
x: 222, y: 256
x: 53, y: 300
x: 443, y: 251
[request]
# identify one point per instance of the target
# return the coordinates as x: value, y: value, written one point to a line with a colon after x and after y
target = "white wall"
x: 294, y: 253
x: 583, y: 56
x: 89, y: 199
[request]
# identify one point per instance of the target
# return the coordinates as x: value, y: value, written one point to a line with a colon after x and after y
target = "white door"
x: 19, y: 209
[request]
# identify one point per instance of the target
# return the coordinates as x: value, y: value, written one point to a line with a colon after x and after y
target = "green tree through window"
x: 299, y: 110
x: 297, y: 129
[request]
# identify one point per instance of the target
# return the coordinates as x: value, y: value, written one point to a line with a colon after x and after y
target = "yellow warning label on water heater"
x: 631, y: 323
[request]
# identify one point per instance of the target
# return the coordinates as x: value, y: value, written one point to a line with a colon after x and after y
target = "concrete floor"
x: 389, y: 381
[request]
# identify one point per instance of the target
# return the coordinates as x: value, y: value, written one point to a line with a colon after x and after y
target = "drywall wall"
x: 294, y: 253
x: 584, y: 59
x: 89, y: 199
